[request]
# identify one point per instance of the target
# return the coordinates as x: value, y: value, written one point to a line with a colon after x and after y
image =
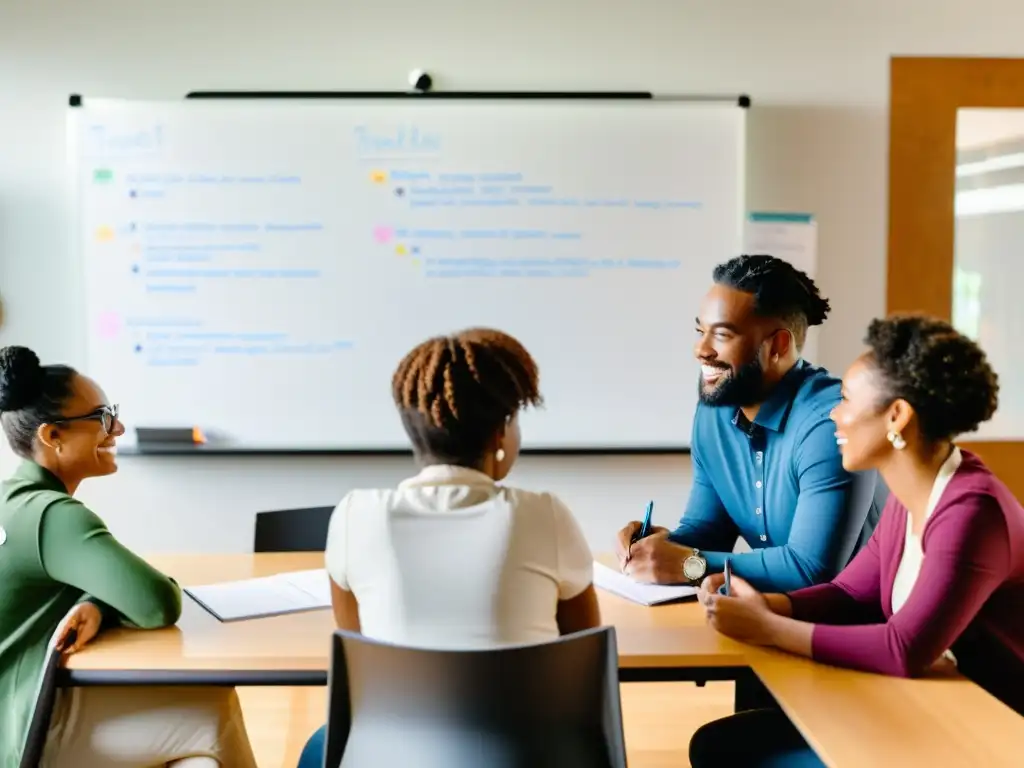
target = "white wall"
x: 817, y: 71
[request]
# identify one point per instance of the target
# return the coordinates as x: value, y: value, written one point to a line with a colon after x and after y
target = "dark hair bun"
x: 943, y: 374
x: 21, y: 378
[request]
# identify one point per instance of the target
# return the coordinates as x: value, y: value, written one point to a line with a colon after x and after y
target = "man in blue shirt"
x: 765, y: 461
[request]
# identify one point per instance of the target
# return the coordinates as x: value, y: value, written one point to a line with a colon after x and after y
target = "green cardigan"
x: 55, y: 553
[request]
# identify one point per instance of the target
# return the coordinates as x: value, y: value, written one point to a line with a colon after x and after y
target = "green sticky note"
x: 101, y: 175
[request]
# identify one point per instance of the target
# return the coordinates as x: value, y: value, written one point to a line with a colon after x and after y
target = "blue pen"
x: 646, y: 525
x: 728, y: 576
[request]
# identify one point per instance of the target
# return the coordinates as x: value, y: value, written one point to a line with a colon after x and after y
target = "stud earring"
x: 897, y: 440
x: 499, y: 455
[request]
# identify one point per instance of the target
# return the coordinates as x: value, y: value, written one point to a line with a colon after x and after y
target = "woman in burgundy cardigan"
x: 941, y: 580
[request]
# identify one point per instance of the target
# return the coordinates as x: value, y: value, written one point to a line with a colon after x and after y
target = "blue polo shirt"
x: 779, y: 483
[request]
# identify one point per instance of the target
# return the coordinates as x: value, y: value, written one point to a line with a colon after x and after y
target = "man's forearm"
x: 703, y: 536
x: 773, y: 569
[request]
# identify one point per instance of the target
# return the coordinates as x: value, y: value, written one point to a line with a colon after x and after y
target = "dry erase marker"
x: 728, y: 576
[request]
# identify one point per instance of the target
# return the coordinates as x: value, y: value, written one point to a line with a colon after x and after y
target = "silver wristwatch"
x: 694, y: 567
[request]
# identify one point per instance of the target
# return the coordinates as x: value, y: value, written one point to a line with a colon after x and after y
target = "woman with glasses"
x: 57, y: 560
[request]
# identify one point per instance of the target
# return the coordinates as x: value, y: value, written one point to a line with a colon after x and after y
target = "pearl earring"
x: 499, y: 455
x: 897, y: 440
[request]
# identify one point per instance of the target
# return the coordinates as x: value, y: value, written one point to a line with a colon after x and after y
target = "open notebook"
x: 266, y: 596
x: 619, y: 584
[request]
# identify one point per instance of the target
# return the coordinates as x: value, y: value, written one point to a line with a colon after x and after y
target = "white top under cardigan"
x: 913, y: 553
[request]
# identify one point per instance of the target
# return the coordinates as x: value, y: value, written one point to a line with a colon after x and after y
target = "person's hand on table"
x: 656, y: 560
x: 744, y: 615
x: 943, y: 667
x: 711, y: 584
x: 80, y: 626
x: 624, y: 540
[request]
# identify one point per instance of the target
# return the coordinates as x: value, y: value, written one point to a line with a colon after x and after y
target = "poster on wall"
x: 789, y: 236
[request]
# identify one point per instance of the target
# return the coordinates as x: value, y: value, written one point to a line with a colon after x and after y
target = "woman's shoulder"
x: 525, y: 502
x: 361, y: 502
x: 31, y: 508
x: 976, y: 503
x: 975, y: 484
x: 365, y: 498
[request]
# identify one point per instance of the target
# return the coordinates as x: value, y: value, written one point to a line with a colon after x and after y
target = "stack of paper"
x: 266, y: 596
x: 622, y: 585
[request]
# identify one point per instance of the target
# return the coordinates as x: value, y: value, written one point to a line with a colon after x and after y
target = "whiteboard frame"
x: 741, y: 101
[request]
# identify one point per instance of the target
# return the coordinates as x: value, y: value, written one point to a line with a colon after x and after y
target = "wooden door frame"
x: 925, y: 94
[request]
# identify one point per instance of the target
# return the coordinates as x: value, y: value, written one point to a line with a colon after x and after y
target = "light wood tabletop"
x: 850, y: 718
x: 664, y: 637
x: 856, y: 719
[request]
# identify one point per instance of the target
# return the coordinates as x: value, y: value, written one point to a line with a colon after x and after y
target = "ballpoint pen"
x: 645, y: 526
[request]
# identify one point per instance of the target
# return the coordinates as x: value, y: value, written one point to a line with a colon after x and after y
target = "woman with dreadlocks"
x: 451, y: 558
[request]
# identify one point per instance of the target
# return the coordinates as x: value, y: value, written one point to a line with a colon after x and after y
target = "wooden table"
x: 850, y: 718
x: 669, y: 642
x: 857, y: 719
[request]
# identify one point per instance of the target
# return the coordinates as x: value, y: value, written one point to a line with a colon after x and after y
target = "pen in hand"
x: 728, y: 577
x: 645, y: 527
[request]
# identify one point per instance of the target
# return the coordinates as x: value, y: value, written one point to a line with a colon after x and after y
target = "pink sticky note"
x: 382, y: 234
x: 109, y: 325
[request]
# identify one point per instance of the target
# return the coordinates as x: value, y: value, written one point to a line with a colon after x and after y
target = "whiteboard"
x: 258, y: 268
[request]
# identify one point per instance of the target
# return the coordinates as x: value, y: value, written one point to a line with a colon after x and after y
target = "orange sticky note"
x: 198, y: 437
x: 378, y: 177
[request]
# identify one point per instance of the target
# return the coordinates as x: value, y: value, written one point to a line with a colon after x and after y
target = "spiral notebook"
x: 265, y: 596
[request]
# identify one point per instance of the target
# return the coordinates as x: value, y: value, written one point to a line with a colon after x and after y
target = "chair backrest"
x: 292, y: 530
x: 868, y: 494
x: 46, y: 697
x: 880, y: 499
x: 532, y: 706
x: 39, y: 725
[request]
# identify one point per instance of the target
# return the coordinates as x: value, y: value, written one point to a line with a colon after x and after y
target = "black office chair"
x: 869, y: 483
x: 292, y: 530
x: 39, y: 725
x: 533, y: 706
x: 881, y: 496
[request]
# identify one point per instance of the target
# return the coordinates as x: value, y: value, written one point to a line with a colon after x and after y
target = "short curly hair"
x: 944, y: 375
x: 455, y: 392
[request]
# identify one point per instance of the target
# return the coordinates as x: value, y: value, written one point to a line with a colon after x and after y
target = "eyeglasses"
x: 106, y: 415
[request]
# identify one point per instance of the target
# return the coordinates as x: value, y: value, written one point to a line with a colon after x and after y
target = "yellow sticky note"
x: 400, y: 250
x: 415, y: 262
x: 378, y: 177
x: 104, y: 233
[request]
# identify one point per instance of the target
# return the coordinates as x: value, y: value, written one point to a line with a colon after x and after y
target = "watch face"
x: 693, y: 568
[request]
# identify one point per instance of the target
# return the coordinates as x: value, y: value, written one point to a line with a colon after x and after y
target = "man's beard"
x: 736, y: 390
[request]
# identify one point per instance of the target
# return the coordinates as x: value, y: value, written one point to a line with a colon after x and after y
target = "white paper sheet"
x: 266, y: 596
x: 619, y: 584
